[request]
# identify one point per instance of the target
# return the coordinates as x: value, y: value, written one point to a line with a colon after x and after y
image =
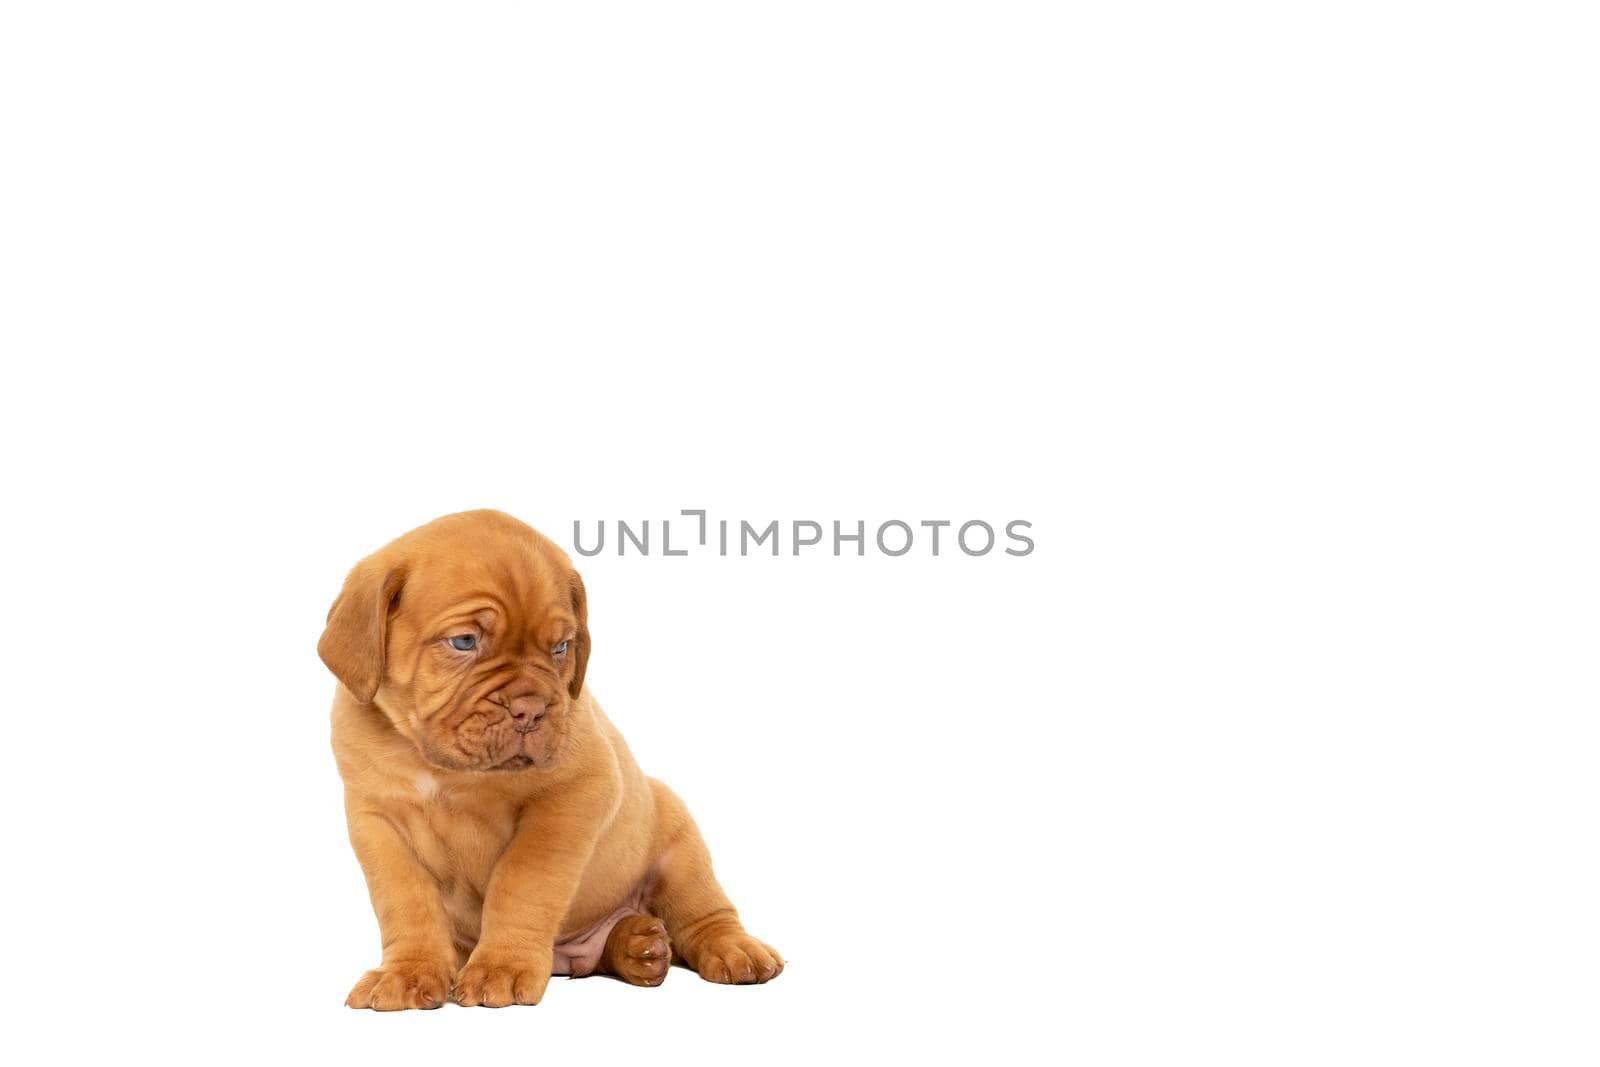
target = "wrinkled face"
x: 479, y: 666
x: 484, y: 642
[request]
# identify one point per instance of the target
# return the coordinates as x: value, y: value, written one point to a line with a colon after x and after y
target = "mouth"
x: 532, y: 749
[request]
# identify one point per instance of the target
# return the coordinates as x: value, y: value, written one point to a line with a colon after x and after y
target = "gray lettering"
x: 666, y: 540
x: 805, y: 533
x: 577, y: 541
x: 1024, y: 538
x: 903, y: 548
x: 701, y: 512
x: 859, y: 537
x: 961, y: 537
x: 745, y: 530
x: 817, y: 526
x: 623, y: 531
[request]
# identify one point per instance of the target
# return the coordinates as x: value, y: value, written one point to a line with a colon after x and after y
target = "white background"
x: 1277, y: 321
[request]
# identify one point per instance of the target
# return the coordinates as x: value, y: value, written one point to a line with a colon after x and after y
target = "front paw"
x: 495, y: 982
x: 402, y: 984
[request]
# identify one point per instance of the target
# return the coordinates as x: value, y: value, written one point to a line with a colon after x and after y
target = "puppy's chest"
x: 457, y: 833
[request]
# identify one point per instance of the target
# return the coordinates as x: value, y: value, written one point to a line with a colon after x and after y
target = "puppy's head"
x: 471, y: 635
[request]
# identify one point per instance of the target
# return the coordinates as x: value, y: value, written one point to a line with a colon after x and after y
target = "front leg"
x: 418, y: 954
x: 529, y: 893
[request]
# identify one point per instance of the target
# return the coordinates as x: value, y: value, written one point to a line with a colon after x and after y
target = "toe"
x: 767, y: 963
x: 392, y: 993
x: 361, y: 995
x: 740, y: 967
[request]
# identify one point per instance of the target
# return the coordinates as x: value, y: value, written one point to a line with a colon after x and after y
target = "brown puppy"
x: 504, y: 829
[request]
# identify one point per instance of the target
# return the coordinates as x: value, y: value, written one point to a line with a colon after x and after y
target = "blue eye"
x: 562, y: 647
x: 463, y: 642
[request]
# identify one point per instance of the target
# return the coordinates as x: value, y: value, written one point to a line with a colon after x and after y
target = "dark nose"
x: 526, y: 711
x: 524, y: 702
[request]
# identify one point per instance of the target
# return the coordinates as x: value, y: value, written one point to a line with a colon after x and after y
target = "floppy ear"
x: 353, y: 644
x: 580, y: 654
